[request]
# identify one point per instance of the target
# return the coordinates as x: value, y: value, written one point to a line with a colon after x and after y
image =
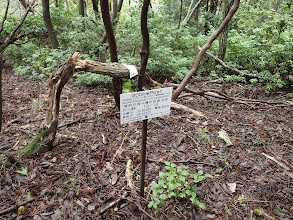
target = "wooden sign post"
x: 140, y: 106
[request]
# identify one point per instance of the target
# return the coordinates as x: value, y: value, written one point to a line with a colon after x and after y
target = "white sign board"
x: 138, y: 106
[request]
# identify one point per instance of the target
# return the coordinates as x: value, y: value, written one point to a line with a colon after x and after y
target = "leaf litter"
x: 85, y: 171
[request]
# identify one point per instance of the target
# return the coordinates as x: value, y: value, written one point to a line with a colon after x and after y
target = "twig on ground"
x: 141, y: 209
x: 128, y: 175
x: 276, y: 161
x: 186, y: 109
x: 110, y: 205
x: 119, y: 149
x: 16, y: 206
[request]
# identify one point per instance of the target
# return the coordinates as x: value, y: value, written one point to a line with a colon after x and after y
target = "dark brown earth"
x: 80, y: 175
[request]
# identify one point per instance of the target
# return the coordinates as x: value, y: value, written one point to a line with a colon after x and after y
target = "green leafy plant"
x: 176, y: 183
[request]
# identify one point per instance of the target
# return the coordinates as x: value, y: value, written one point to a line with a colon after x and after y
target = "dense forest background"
x: 259, y: 39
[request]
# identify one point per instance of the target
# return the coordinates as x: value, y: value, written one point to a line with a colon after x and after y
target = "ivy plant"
x: 176, y: 183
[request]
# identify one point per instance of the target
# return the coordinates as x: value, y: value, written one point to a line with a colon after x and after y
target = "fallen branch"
x: 141, y: 209
x: 217, y: 94
x: 128, y: 175
x: 110, y: 205
x: 239, y: 72
x: 117, y: 70
x: 186, y: 109
x: 16, y: 206
x: 276, y: 161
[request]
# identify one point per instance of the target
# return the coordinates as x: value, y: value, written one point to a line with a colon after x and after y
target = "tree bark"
x: 56, y: 3
x: 276, y: 5
x: 48, y: 23
x: 213, y: 6
x: 104, y: 36
x: 223, y: 38
x: 201, y: 53
x: 44, y: 139
x: 1, y: 70
x: 180, y: 13
x: 117, y: 83
x: 144, y: 53
x: 116, y: 70
x: 81, y: 7
x: 96, y: 8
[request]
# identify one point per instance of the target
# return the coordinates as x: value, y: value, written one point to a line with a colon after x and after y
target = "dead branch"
x: 141, y: 209
x: 186, y: 109
x: 16, y: 206
x: 44, y: 139
x: 10, y: 36
x: 217, y: 94
x: 201, y: 53
x: 276, y: 161
x: 128, y: 175
x: 110, y: 205
x: 109, y: 69
x: 239, y: 72
x: 5, y: 16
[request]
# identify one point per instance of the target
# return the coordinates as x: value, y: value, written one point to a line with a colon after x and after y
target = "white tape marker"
x: 132, y: 70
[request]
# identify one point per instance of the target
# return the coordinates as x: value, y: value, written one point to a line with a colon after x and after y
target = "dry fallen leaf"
x: 224, y: 135
x: 232, y: 187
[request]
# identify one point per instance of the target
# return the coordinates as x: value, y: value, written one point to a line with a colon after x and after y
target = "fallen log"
x: 116, y: 70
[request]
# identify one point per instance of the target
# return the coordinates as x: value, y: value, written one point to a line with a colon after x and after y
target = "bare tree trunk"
x: 1, y: 69
x: 104, y: 36
x: 48, y: 23
x: 81, y: 7
x: 213, y: 6
x: 56, y: 3
x: 201, y: 53
x: 180, y: 13
x: 276, y: 5
x: 96, y: 8
x: 144, y: 53
x: 116, y: 82
x: 223, y: 38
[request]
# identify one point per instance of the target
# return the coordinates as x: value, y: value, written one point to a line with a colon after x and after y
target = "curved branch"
x: 8, y: 39
x: 5, y: 16
x: 201, y: 53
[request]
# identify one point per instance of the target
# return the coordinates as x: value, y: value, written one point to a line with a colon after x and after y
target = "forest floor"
x: 86, y: 169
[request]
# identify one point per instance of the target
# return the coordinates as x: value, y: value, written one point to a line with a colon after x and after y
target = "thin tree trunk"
x: 223, y: 38
x: 116, y: 82
x: 180, y: 13
x: 56, y: 3
x: 96, y: 8
x: 201, y: 53
x: 115, y: 9
x: 145, y: 50
x: 1, y: 69
x: 48, y: 23
x: 276, y: 5
x: 81, y: 7
x: 104, y: 36
x: 213, y: 6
